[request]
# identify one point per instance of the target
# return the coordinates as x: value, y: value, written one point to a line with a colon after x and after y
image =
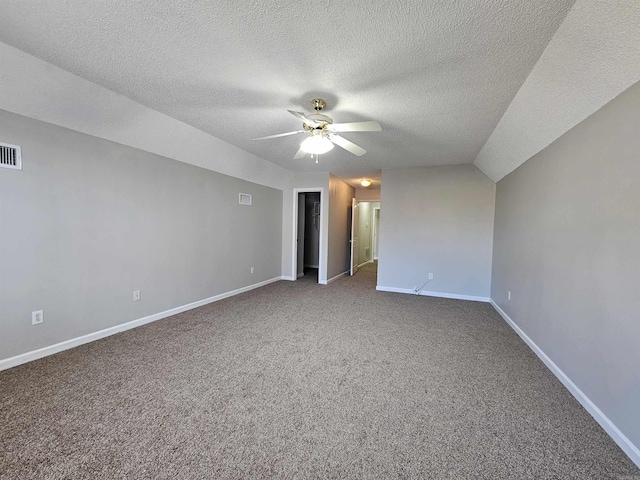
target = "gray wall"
x: 368, y: 194
x: 567, y: 246
x: 339, y: 253
x: 438, y: 220
x: 88, y: 221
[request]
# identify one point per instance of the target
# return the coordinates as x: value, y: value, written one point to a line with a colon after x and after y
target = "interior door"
x: 354, y: 236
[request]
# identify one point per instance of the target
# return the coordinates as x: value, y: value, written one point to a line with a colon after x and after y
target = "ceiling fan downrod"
x: 318, y: 104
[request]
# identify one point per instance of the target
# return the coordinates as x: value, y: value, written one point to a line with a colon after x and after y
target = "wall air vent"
x: 10, y: 156
x: 245, y: 199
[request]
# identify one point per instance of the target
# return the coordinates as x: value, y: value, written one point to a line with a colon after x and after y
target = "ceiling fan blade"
x: 279, y: 135
x: 301, y: 153
x: 369, y: 126
x: 347, y: 145
x: 304, y: 118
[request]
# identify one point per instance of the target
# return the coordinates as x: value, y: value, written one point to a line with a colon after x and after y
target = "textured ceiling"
x: 437, y: 75
x: 593, y: 57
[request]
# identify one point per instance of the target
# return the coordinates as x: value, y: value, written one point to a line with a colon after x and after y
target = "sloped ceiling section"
x: 438, y: 75
x: 490, y: 82
x: 593, y: 57
x: 37, y: 89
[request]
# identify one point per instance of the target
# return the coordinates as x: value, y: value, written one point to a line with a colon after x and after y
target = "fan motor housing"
x: 321, y: 119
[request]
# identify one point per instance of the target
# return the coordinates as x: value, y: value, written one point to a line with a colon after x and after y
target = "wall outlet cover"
x: 37, y: 317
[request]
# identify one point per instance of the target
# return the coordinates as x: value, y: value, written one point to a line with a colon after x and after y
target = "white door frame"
x: 354, y: 242
x: 301, y: 234
x: 374, y: 228
x: 294, y: 257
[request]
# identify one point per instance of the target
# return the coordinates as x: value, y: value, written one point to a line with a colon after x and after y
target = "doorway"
x: 308, y: 230
x: 364, y: 233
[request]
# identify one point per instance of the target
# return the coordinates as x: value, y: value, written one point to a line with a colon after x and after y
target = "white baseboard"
x: 306, y: 265
x: 291, y: 279
x: 91, y: 337
x: 614, y: 432
x: 301, y: 275
x: 333, y: 279
x: 455, y: 296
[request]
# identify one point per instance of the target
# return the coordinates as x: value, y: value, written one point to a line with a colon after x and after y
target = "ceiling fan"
x: 323, y: 133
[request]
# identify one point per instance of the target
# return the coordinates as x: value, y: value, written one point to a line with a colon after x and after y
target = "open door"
x: 354, y: 236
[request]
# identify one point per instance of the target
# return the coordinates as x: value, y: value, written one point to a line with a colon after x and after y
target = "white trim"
x: 301, y: 275
x: 374, y: 233
x: 91, y: 337
x: 364, y: 263
x: 353, y: 244
x: 294, y: 255
x: 455, y: 296
x: 308, y: 265
x: 614, y: 432
x: 333, y: 279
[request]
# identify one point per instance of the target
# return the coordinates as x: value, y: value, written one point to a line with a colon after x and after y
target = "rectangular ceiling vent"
x: 245, y: 199
x: 10, y: 156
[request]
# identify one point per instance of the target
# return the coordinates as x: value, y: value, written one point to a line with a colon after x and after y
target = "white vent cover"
x: 245, y: 199
x: 10, y: 156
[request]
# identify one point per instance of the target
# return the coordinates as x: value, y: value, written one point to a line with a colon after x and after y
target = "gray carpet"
x: 298, y: 380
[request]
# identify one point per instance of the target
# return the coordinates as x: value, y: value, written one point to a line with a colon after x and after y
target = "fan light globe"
x: 365, y: 183
x: 317, y: 144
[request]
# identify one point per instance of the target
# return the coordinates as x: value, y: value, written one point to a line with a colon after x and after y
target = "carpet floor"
x: 299, y: 380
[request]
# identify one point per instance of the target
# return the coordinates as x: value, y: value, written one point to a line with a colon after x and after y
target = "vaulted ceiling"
x: 437, y: 75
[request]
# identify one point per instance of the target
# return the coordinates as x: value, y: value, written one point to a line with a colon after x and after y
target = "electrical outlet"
x: 431, y: 276
x: 252, y: 270
x: 37, y: 317
x: 136, y: 296
x: 509, y: 295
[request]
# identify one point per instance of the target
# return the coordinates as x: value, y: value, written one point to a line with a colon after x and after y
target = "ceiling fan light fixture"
x: 365, y: 183
x: 317, y: 144
x: 323, y: 133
